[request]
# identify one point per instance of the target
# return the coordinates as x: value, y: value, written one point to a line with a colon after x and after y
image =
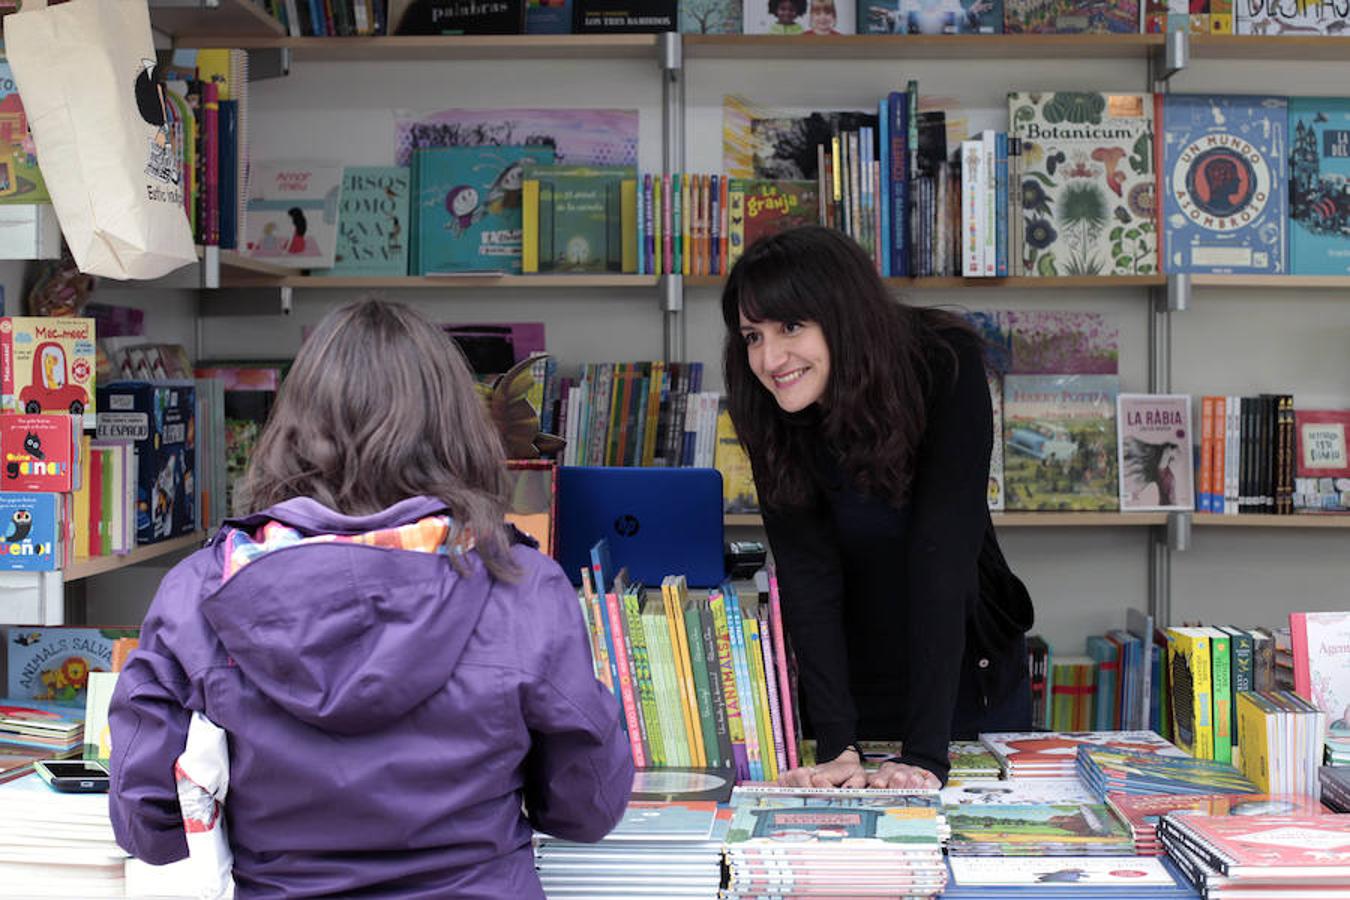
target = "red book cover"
x: 96, y: 459
x: 1299, y: 844
x: 211, y: 141
x: 1321, y: 443
x: 1142, y: 811
x: 39, y: 453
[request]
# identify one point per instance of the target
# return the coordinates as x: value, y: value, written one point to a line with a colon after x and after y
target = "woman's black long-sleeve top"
x: 883, y: 603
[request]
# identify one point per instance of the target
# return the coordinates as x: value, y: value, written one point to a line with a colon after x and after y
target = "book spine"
x: 211, y: 145
x: 771, y: 652
x: 744, y: 691
x: 627, y: 690
x: 1205, y: 489
x: 1240, y: 656
x: 648, y: 717
x: 680, y: 653
x: 707, y: 682
x: 780, y: 664
x: 727, y: 671
x: 1222, y: 696
x: 1251, y: 732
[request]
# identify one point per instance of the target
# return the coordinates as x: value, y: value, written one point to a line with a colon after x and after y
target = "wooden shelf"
x: 1273, y: 282
x: 1299, y: 520
x: 1112, y: 282
x: 417, y: 48
x: 447, y: 282
x: 1023, y: 520
x: 235, y: 264
x: 945, y: 46
x: 100, y: 564
x: 1246, y: 47
x: 220, y: 25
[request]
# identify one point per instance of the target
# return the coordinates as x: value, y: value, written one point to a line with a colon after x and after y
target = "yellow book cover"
x: 529, y: 226
x: 738, y: 481
x: 628, y: 215
x: 599, y: 652
x: 754, y: 652
x: 667, y: 700
x: 687, y: 213
x: 1253, y: 740
x: 1192, y: 700
x: 655, y: 388
x: 726, y: 669
x: 735, y: 223
x: 82, y: 501
x: 680, y: 651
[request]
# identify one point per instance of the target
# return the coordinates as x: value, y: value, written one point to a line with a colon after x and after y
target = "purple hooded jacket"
x: 387, y: 717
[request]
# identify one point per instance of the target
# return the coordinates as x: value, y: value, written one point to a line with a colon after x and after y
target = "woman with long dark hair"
x: 868, y: 425
x: 405, y: 681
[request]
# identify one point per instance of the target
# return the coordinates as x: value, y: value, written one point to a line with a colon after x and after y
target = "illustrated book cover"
x: 291, y: 216
x: 1154, y: 441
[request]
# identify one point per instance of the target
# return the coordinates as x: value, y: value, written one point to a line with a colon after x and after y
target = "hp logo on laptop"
x: 626, y: 526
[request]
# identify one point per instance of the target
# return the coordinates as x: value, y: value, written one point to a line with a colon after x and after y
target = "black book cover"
x: 463, y: 17
x: 624, y: 16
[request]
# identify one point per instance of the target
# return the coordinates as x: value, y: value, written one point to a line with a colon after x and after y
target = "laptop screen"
x: 658, y: 522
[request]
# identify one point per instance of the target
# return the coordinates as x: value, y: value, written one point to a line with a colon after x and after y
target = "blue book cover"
x: 53, y: 664
x: 159, y: 420
x: 372, y: 238
x: 30, y: 532
x: 468, y: 215
x: 1319, y: 185
x: 930, y: 16
x: 548, y: 17
x: 1225, y: 165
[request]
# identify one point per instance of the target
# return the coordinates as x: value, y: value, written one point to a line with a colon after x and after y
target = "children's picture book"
x: 797, y: 18
x: 467, y: 207
x: 784, y: 147
x: 40, y: 452
x: 580, y: 219
x: 738, y: 482
x: 1312, y: 845
x: 577, y: 137
x: 48, y: 366
x: 645, y: 820
x: 995, y: 792
x: 1321, y: 644
x: 159, y: 419
x: 1224, y: 172
x: 624, y: 16
x: 1035, y: 829
x: 292, y: 212
x: 710, y: 16
x: 548, y: 17
x: 1087, y: 184
x: 1060, y: 442
x: 1322, y: 461
x: 1115, y: 772
x: 53, y: 664
x: 1142, y: 811
x: 457, y: 17
x: 373, y: 226
x: 1026, y: 750
x: 758, y: 208
x: 97, y: 732
x: 1060, y: 342
x: 20, y: 178
x: 971, y: 872
x: 841, y: 823
x: 1319, y: 167
x: 1154, y: 441
x: 39, y: 723
x: 1070, y: 16
x: 1280, y: 17
x: 930, y: 17
x: 31, y: 532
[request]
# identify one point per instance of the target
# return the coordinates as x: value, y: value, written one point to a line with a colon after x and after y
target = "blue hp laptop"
x: 658, y: 521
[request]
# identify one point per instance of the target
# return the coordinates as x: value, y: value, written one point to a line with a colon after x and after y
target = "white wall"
x: 1081, y: 578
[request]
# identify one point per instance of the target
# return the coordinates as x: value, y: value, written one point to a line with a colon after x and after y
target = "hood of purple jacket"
x: 347, y: 637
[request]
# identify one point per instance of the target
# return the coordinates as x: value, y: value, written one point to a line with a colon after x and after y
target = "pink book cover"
x: 1142, y: 811
x: 781, y: 670
x: 628, y: 694
x: 768, y: 647
x: 1322, y: 663
x: 211, y: 140
x: 666, y: 218
x: 1311, y: 845
x: 1153, y: 434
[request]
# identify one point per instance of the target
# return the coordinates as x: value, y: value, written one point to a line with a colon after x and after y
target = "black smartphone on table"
x: 76, y: 776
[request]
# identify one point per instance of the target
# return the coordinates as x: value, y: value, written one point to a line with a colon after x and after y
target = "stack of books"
x: 57, y: 845
x: 1110, y: 771
x: 669, y: 848
x: 1280, y: 735
x: 1039, y: 754
x: 1337, y: 750
x: 1300, y: 855
x: 974, y: 878
x: 970, y: 760
x: 38, y: 725
x: 1044, y: 829
x: 1142, y: 812
x: 846, y: 844
x: 989, y: 792
x: 1336, y: 787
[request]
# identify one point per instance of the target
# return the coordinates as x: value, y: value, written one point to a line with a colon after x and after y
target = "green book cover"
x: 663, y: 683
x: 373, y: 226
x: 581, y: 217
x: 698, y: 666
x: 1222, y: 695
x: 642, y: 678
x: 1241, y: 666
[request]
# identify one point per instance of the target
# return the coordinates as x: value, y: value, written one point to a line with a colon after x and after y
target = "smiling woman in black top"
x: 868, y: 425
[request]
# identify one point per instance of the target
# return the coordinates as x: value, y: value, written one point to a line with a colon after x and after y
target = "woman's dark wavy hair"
x: 380, y: 407
x: 880, y: 350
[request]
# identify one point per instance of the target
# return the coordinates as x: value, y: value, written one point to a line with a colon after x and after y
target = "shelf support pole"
x: 672, y: 160
x: 1173, y: 57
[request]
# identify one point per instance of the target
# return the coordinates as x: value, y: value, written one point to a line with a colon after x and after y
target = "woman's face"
x: 791, y: 360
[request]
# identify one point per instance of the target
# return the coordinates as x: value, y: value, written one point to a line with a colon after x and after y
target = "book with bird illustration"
x: 30, y: 532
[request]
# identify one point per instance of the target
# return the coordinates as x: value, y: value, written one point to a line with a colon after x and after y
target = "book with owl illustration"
x: 31, y: 532
x: 1224, y: 168
x: 1084, y: 170
x: 159, y: 419
x: 467, y: 207
x: 40, y: 453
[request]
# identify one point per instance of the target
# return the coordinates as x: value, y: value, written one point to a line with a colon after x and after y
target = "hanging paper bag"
x: 87, y: 78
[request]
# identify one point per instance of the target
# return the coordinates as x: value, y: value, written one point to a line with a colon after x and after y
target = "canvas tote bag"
x: 86, y: 75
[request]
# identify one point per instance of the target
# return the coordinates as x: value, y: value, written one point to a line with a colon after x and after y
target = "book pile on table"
x: 970, y: 760
x: 980, y: 878
x: 57, y: 845
x: 1336, y: 749
x: 1110, y: 771
x: 1039, y: 754
x: 58, y: 730
x: 1336, y: 787
x: 1029, y: 791
x: 1142, y: 812
x: 1043, y: 829
x: 833, y: 843
x: 668, y: 848
x: 1299, y: 857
